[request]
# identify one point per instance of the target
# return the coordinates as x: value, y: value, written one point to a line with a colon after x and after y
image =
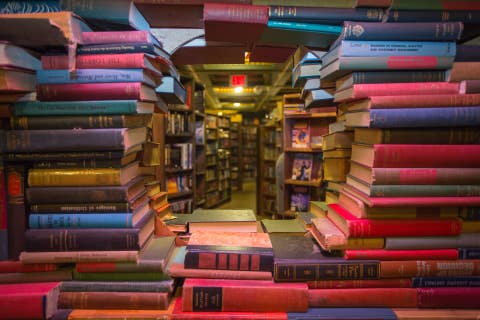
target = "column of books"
x: 87, y: 155
x: 405, y: 229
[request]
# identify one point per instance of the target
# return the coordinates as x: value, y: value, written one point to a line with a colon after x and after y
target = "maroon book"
x: 455, y: 297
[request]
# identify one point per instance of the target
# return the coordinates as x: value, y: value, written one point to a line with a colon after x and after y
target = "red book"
x: 234, y: 22
x: 131, y: 36
x: 96, y: 91
x: 365, y: 90
x: 429, y: 268
x: 456, y: 297
x: 244, y: 295
x: 10, y: 266
x: 354, y: 227
x: 179, y: 314
x: 363, y: 298
x: 417, y: 155
x: 360, y: 283
x: 28, y: 300
x: 380, y: 254
x: 415, y: 101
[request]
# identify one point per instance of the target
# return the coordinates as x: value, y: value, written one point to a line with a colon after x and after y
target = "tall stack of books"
x: 405, y: 219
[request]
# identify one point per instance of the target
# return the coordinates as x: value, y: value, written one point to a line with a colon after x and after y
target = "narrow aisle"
x: 245, y: 199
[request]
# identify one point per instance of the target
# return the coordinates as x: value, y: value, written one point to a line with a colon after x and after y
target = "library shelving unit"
x: 269, y: 150
x: 224, y: 181
x: 180, y: 154
x: 212, y: 193
x: 235, y: 156
x: 302, y: 141
x: 200, y: 163
x: 249, y: 150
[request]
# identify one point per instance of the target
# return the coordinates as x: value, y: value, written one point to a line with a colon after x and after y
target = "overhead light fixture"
x: 238, y: 89
x: 220, y: 113
x: 236, y: 104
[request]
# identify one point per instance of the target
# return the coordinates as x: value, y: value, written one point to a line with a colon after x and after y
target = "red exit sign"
x: 238, y: 80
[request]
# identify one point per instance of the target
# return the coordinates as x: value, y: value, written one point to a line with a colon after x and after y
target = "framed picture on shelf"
x: 302, y: 167
x: 301, y: 134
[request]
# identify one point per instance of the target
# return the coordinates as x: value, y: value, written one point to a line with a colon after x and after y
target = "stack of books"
x: 405, y: 218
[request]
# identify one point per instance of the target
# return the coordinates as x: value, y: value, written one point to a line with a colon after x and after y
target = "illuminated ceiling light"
x: 238, y: 89
x: 236, y: 104
x: 247, y: 56
x: 220, y: 113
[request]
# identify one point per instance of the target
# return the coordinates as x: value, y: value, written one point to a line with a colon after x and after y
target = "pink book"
x: 132, y: 36
x: 365, y: 90
x: 354, y: 227
x: 381, y: 254
x: 96, y: 91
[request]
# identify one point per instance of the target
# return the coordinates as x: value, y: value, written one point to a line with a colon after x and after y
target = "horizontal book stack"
x: 411, y: 196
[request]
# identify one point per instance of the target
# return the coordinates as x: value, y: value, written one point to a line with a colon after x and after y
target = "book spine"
x: 54, y: 108
x: 466, y: 240
x: 76, y: 220
x: 89, y: 91
x: 18, y: 6
x: 114, y: 300
x: 321, y: 28
x: 363, y: 298
x: 78, y: 256
x: 11, y: 266
x: 116, y: 48
x: 73, y: 177
x: 459, y: 297
x: 331, y: 15
x: 16, y: 210
x: 77, y: 194
x: 89, y: 76
x: 424, y: 190
x: 81, y: 239
x: 116, y: 286
x: 434, y: 5
x: 380, y: 254
x: 100, y: 61
x: 436, y: 282
x: 235, y: 13
x: 394, y: 63
x: 115, y: 37
x: 60, y: 140
x: 3, y: 215
x: 80, y: 163
x: 75, y: 122
x: 408, y: 31
x: 424, y: 117
x: 361, y: 283
x: 418, y: 88
x: 120, y: 276
x: 115, y: 267
x: 426, y: 156
x: 397, y: 76
x: 469, y: 253
x: 465, y: 16
x: 470, y: 86
x: 81, y: 207
x: 424, y: 101
x: 429, y: 176
x: 429, y: 268
x: 294, y: 271
x: 396, y: 48
x: 228, y: 260
x: 26, y: 305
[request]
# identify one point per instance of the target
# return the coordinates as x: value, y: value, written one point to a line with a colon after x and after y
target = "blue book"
x: 172, y: 91
x: 108, y: 14
x: 57, y: 108
x: 97, y: 76
x: 87, y: 220
x: 352, y: 48
x: 465, y: 16
x: 466, y: 281
x: 30, y: 6
x: 469, y: 253
x: 415, y: 117
x: 119, y: 48
x: 334, y: 16
x: 302, y: 26
x: 344, y: 314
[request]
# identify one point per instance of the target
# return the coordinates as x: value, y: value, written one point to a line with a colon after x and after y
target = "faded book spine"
x: 114, y: 300
x: 73, y: 177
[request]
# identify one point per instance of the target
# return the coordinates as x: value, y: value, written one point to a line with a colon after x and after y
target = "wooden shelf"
x: 176, y: 170
x: 313, y: 183
x: 306, y: 150
x: 177, y: 195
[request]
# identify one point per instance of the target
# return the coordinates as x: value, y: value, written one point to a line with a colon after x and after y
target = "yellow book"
x: 470, y: 226
x: 83, y: 177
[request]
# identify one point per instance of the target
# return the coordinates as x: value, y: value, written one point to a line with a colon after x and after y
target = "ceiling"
x: 266, y: 81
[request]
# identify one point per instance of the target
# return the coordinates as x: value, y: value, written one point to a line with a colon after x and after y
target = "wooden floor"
x: 245, y: 199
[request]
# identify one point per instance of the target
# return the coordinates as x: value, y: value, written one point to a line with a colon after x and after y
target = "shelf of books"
x: 302, y: 139
x: 235, y: 155
x: 249, y: 149
x: 269, y: 151
x: 224, y: 154
x: 200, y: 148
x: 180, y: 152
x: 212, y: 192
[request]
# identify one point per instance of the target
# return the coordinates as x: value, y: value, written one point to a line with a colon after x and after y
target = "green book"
x: 291, y: 226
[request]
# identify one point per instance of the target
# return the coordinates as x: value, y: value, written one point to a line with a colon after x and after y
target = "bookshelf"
x: 235, y: 155
x: 180, y: 153
x: 249, y: 150
x: 212, y: 193
x: 302, y: 141
x: 200, y: 148
x: 224, y: 181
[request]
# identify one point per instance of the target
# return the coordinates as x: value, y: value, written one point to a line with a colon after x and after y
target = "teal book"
x: 19, y: 6
x: 67, y: 108
x: 108, y: 14
x: 303, y: 26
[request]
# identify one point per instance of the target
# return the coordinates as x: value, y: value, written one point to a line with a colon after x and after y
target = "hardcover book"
x: 114, y: 300
x: 242, y: 220
x: 231, y: 251
x: 14, y: 56
x: 301, y: 134
x: 299, y: 199
x: 302, y: 167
